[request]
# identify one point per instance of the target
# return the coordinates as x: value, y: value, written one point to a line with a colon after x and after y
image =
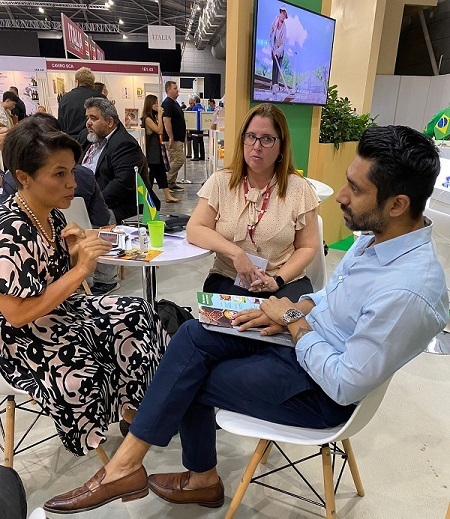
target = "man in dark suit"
x: 71, y: 115
x: 112, y: 156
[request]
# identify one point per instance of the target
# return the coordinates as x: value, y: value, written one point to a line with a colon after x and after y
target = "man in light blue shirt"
x: 385, y: 302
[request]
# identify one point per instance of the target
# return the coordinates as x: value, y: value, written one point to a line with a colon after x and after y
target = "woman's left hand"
x: 73, y: 234
x: 264, y: 283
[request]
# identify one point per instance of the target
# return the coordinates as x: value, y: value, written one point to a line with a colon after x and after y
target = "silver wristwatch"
x: 292, y: 315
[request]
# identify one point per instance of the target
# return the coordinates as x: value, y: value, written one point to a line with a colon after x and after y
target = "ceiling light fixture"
x: 41, y: 10
x: 110, y: 2
x: 124, y: 36
x: 120, y: 21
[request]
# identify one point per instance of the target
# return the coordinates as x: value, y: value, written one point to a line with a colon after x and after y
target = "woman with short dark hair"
x: 86, y: 360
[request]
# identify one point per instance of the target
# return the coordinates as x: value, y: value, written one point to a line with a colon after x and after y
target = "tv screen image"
x: 292, y: 49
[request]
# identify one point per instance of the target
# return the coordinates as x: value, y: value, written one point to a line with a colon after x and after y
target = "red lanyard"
x: 266, y: 196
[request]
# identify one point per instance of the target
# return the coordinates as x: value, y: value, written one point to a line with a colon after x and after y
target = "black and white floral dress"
x: 86, y: 359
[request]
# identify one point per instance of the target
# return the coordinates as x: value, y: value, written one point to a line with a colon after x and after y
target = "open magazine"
x: 216, y: 311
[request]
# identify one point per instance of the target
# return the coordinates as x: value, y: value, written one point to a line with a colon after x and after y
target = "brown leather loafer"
x: 171, y: 488
x: 94, y: 494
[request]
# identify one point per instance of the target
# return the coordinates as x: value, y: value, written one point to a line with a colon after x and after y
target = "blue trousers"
x: 202, y: 370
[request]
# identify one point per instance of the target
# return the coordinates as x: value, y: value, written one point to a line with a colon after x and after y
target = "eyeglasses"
x: 266, y: 141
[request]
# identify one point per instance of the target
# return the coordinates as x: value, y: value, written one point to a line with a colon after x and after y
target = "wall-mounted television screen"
x: 292, y: 49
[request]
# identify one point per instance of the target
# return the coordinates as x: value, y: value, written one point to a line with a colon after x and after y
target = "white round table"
x: 175, y: 250
x: 323, y: 190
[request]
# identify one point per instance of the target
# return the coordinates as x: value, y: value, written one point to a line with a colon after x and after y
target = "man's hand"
x: 275, y: 308
x: 256, y: 319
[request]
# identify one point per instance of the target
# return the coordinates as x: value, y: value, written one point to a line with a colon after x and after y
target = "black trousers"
x: 198, y: 145
x: 218, y: 284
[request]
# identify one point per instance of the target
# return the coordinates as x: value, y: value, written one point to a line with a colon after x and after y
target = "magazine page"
x: 219, y: 309
x: 216, y: 311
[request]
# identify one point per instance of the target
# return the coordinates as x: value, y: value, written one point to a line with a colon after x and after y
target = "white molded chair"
x: 77, y: 213
x: 317, y: 270
x: 270, y: 433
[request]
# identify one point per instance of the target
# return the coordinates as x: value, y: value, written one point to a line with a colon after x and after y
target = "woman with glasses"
x: 258, y: 215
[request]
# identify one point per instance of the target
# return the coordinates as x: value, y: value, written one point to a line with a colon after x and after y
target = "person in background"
x: 101, y: 87
x: 112, y: 156
x: 211, y: 105
x: 174, y: 134
x: 183, y: 106
x: 19, y: 111
x: 91, y: 358
x: 41, y: 109
x: 198, y: 145
x: 277, y: 38
x: 188, y: 141
x: 152, y: 121
x: 71, y: 112
x: 258, y: 205
x: 383, y: 304
x: 9, y: 103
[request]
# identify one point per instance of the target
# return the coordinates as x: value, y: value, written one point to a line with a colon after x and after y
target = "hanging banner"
x: 78, y: 43
x: 73, y: 37
x: 161, y: 37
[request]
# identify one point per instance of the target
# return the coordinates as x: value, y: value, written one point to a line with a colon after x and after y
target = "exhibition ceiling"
x: 118, y: 19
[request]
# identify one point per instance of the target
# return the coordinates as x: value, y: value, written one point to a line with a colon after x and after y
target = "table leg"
x: 149, y: 281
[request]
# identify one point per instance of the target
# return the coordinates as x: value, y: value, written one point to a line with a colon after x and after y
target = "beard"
x: 372, y: 220
x: 92, y: 137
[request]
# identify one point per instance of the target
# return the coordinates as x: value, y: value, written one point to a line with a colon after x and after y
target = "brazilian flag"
x: 149, y: 212
x: 439, y: 126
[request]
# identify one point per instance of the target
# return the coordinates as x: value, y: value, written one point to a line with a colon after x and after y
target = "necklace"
x: 37, y: 222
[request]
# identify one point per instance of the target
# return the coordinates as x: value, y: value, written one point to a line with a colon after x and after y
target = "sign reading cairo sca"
x: 161, y: 37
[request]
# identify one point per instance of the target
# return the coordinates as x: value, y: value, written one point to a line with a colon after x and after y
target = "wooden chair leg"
x: 10, y: 420
x: 102, y: 455
x: 330, y: 505
x: 266, y: 454
x: 86, y: 288
x: 348, y: 449
x: 122, y: 272
x: 448, y: 512
x: 246, y: 478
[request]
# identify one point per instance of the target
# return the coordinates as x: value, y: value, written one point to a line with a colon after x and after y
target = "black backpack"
x: 172, y: 315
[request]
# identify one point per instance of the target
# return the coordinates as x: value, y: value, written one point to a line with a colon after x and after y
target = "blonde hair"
x: 85, y: 76
x: 284, y: 165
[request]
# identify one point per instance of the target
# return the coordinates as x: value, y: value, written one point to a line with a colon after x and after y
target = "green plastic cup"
x: 156, y: 233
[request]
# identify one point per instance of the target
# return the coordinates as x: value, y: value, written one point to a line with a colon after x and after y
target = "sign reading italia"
x: 161, y: 37
x: 77, y: 42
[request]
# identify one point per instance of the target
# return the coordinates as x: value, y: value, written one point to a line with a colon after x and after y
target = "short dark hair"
x: 169, y: 84
x: 107, y: 109
x: 99, y: 86
x: 28, y: 145
x: 10, y: 96
x: 405, y: 162
x: 14, y: 89
x: 47, y: 119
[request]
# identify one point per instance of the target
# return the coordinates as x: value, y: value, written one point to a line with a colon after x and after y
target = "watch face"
x: 292, y: 315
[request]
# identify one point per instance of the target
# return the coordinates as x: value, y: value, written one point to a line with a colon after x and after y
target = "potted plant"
x: 340, y: 130
x: 340, y: 122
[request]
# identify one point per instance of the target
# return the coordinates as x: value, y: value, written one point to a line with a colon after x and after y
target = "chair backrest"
x: 77, y: 213
x: 316, y: 270
x: 363, y: 413
x: 6, y: 388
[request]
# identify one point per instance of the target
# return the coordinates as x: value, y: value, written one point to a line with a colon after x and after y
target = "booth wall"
x: 19, y: 43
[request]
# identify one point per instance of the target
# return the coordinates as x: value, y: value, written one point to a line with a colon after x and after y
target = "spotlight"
x: 124, y: 36
x: 120, y: 21
x: 41, y: 10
